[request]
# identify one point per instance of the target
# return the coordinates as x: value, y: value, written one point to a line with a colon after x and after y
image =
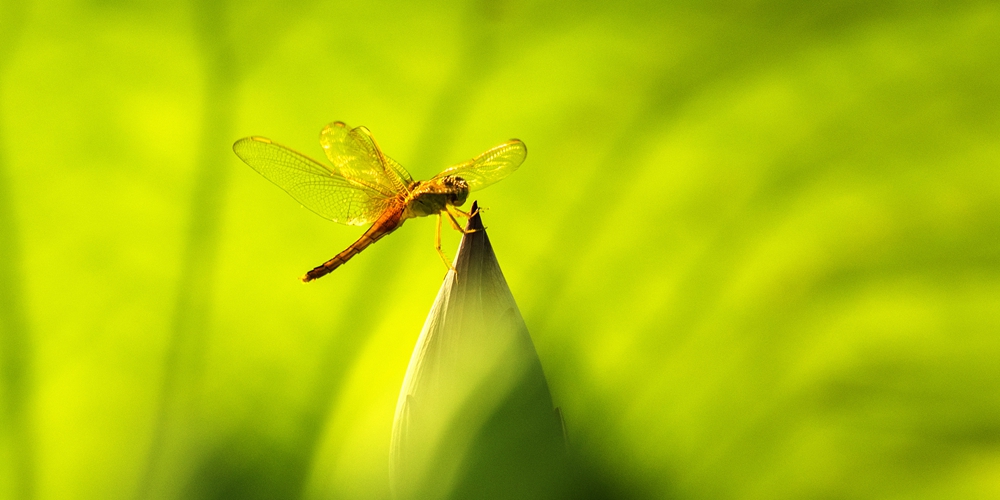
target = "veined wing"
x: 491, y: 166
x: 356, y: 156
x: 316, y: 186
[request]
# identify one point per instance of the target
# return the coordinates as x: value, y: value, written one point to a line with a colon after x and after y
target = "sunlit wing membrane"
x: 319, y: 188
x: 491, y: 166
x: 400, y: 173
x: 355, y: 155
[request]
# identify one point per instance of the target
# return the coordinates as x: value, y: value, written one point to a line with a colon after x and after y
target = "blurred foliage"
x: 756, y: 243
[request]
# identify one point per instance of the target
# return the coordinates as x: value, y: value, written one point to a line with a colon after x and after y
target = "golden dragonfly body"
x: 362, y: 185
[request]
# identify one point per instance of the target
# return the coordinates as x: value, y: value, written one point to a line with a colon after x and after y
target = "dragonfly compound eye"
x: 459, y: 190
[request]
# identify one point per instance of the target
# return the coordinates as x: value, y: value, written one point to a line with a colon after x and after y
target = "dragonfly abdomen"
x: 383, y: 226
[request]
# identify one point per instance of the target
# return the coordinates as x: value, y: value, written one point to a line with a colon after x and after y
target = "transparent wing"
x: 316, y: 186
x: 491, y: 166
x: 356, y: 156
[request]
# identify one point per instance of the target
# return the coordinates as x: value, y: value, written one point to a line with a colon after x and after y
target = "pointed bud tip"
x: 475, y: 222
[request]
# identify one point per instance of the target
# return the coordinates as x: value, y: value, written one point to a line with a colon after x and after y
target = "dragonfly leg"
x: 465, y: 214
x: 454, y: 221
x: 455, y: 224
x: 437, y: 244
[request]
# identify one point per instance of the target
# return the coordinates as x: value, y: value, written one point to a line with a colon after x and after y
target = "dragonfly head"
x: 458, y: 190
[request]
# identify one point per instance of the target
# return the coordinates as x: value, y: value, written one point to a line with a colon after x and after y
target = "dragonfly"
x: 361, y: 185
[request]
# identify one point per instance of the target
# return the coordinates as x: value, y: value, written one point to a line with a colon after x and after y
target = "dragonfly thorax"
x: 431, y: 197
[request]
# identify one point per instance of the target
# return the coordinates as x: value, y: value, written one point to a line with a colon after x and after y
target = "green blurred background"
x: 757, y: 243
